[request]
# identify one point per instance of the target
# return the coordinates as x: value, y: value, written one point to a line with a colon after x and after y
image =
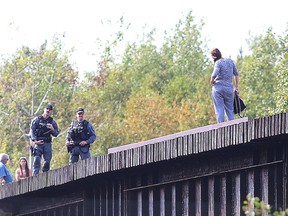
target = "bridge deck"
x: 203, y: 171
x: 180, y: 134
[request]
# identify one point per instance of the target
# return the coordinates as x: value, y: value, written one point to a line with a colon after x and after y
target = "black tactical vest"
x: 79, y: 131
x: 42, y: 132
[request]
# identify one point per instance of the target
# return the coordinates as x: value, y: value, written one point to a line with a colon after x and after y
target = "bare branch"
x: 46, y: 94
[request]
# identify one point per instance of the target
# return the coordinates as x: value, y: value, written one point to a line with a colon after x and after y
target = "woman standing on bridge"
x: 22, y: 171
x: 222, y: 85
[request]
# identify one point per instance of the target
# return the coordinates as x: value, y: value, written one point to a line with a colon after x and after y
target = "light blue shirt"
x: 224, y: 70
x: 5, y: 173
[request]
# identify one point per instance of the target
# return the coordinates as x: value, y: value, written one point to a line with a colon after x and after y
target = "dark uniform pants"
x: 76, y: 151
x: 46, y: 151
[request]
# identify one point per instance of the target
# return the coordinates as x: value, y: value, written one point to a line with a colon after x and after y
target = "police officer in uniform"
x: 80, y: 136
x: 41, y: 131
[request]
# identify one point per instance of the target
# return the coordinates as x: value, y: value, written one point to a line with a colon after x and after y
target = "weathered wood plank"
x: 185, y: 198
x: 195, y: 144
x: 162, y: 201
x: 143, y: 155
x: 284, y: 126
x: 156, y: 150
x: 211, y: 204
x: 150, y: 153
x: 264, y: 184
x: 277, y: 124
x: 250, y: 182
x: 179, y: 146
x: 190, y: 144
x: 174, y: 149
x: 223, y: 202
x: 198, y: 200
x: 184, y: 141
x: 151, y: 202
x: 139, y: 203
x: 173, y: 200
x: 272, y: 125
x: 236, y: 201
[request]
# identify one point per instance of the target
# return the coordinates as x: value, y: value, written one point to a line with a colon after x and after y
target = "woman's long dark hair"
x: 216, y: 54
x: 26, y: 167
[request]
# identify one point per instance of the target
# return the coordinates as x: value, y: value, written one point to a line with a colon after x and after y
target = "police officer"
x: 80, y: 136
x: 41, y: 131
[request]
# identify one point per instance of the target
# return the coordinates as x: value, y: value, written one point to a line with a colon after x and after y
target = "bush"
x: 253, y: 206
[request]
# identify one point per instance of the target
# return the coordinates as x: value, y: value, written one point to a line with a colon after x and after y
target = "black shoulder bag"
x: 239, y: 104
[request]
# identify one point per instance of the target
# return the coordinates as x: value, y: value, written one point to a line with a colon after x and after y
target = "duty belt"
x: 75, y: 143
x: 45, y: 139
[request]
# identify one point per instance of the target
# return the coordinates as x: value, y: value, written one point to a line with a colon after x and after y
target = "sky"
x: 228, y: 23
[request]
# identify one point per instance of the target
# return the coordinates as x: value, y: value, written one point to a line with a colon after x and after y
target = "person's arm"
x: 236, y: 83
x: 236, y: 77
x: 2, y: 176
x: 18, y: 175
x: 215, y: 73
x: 212, y: 80
x: 33, y: 130
x: 92, y: 137
x: 54, y: 129
x: 92, y: 133
x: 2, y: 181
x: 68, y: 136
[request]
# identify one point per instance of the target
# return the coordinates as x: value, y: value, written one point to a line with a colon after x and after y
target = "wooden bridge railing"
x: 185, y: 143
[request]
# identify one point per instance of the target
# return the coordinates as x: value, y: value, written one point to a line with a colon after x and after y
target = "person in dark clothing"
x: 41, y: 131
x: 80, y: 136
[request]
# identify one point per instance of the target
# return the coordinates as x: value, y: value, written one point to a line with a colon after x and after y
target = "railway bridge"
x: 205, y: 171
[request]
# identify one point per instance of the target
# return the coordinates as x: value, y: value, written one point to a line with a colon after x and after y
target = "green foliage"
x: 253, y: 206
x: 147, y: 91
x: 180, y: 88
x: 264, y: 75
x: 258, y: 75
x: 282, y: 76
x: 30, y: 80
x: 147, y: 116
x: 171, y: 75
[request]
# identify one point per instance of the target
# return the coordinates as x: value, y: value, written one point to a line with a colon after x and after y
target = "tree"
x: 282, y: 76
x: 174, y: 74
x: 29, y: 80
x: 258, y: 74
x: 149, y: 116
